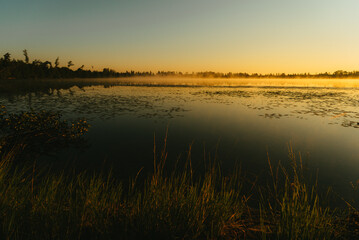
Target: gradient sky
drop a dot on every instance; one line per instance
(186, 35)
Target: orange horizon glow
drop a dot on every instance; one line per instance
(229, 36)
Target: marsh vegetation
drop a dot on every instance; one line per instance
(176, 203)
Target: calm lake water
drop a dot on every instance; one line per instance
(231, 121)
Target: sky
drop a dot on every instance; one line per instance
(263, 36)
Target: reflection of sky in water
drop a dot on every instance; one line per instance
(232, 123)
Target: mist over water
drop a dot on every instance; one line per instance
(237, 82)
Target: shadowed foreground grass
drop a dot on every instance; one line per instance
(38, 205)
(82, 207)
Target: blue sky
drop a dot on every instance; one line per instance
(198, 35)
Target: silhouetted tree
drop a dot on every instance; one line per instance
(36, 62)
(26, 56)
(57, 62)
(11, 68)
(7, 57)
(48, 64)
(70, 64)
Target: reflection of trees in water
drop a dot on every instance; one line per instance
(23, 87)
(94, 101)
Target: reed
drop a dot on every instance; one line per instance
(36, 203)
(295, 209)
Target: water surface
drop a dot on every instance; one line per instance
(233, 121)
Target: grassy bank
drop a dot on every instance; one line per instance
(37, 205)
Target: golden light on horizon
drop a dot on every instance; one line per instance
(231, 36)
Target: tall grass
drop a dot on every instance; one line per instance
(37, 204)
(42, 206)
(294, 209)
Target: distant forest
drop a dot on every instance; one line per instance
(24, 69)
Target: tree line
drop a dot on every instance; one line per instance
(24, 69)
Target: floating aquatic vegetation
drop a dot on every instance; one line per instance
(354, 124)
(339, 106)
(38, 132)
(302, 95)
(230, 93)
